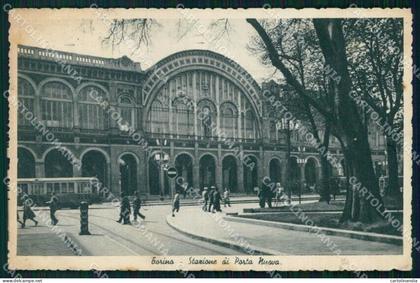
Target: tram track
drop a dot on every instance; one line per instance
(172, 238)
(117, 236)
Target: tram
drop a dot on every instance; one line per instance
(69, 191)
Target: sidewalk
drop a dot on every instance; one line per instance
(268, 240)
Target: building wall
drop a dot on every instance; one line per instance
(62, 98)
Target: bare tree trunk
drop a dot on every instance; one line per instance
(346, 118)
(325, 193)
(391, 149)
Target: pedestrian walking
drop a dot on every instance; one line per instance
(216, 200)
(53, 204)
(175, 204)
(125, 210)
(226, 197)
(28, 213)
(136, 207)
(205, 198)
(211, 192)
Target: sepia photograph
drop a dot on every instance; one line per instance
(213, 139)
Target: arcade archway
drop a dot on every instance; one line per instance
(275, 170)
(183, 165)
(57, 165)
(128, 174)
(94, 165)
(250, 174)
(230, 180)
(207, 171)
(26, 164)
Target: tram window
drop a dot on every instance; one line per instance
(57, 188)
(79, 188)
(39, 188)
(64, 188)
(71, 187)
(49, 188)
(85, 188)
(24, 188)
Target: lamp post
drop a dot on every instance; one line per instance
(285, 125)
(300, 162)
(162, 159)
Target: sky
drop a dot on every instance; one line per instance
(85, 36)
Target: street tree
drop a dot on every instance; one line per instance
(295, 42)
(375, 55)
(345, 119)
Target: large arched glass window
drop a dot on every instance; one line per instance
(183, 118)
(158, 117)
(229, 120)
(127, 110)
(26, 95)
(91, 114)
(206, 118)
(249, 125)
(57, 105)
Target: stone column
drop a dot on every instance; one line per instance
(142, 174)
(39, 169)
(240, 176)
(219, 167)
(114, 183)
(194, 89)
(77, 170)
(171, 116)
(217, 107)
(261, 166)
(302, 172)
(196, 168)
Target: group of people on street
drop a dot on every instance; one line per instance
(28, 212)
(125, 209)
(212, 199)
(267, 193)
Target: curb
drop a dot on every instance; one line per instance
(223, 243)
(388, 239)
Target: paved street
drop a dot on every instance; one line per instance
(111, 238)
(156, 237)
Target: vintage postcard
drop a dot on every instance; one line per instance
(214, 139)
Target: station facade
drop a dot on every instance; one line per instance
(194, 110)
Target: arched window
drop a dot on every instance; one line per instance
(229, 120)
(57, 105)
(183, 118)
(26, 95)
(206, 118)
(127, 111)
(249, 128)
(158, 117)
(206, 122)
(91, 113)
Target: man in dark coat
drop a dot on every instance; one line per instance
(175, 203)
(28, 213)
(216, 200)
(268, 195)
(125, 210)
(136, 207)
(211, 192)
(53, 204)
(261, 197)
